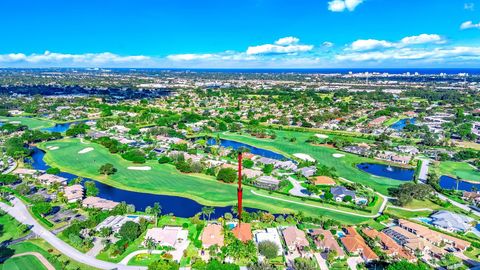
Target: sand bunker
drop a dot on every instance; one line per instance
(53, 148)
(15, 122)
(338, 155)
(321, 136)
(86, 150)
(304, 157)
(144, 168)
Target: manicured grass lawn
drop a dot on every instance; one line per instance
(406, 214)
(165, 179)
(144, 259)
(344, 166)
(391, 121)
(26, 262)
(459, 169)
(32, 123)
(58, 260)
(10, 228)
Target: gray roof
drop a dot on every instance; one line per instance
(449, 220)
(341, 191)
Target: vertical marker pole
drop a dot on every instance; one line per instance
(239, 190)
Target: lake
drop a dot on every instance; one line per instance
(62, 127)
(393, 172)
(178, 206)
(448, 182)
(254, 150)
(400, 124)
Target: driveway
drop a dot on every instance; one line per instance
(298, 190)
(354, 261)
(321, 261)
(19, 212)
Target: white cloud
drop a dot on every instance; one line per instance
(64, 59)
(410, 54)
(469, 25)
(327, 44)
(189, 56)
(422, 39)
(287, 41)
(469, 6)
(369, 44)
(286, 45)
(342, 5)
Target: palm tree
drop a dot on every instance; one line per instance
(156, 210)
(150, 244)
(207, 211)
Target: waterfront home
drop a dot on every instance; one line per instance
(393, 157)
(327, 242)
(268, 182)
(355, 244)
(388, 245)
(451, 221)
(99, 203)
(433, 236)
(295, 239)
(243, 232)
(116, 222)
(269, 234)
(22, 172)
(212, 235)
(50, 179)
(73, 193)
(167, 236)
(323, 181)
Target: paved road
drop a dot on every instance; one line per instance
(459, 205)
(39, 256)
(19, 212)
(298, 190)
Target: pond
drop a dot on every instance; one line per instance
(178, 206)
(400, 124)
(62, 127)
(448, 182)
(254, 150)
(393, 172)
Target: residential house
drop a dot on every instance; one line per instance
(295, 239)
(50, 179)
(451, 221)
(267, 181)
(167, 236)
(413, 243)
(212, 235)
(340, 192)
(99, 203)
(355, 244)
(324, 181)
(243, 232)
(389, 246)
(377, 121)
(116, 222)
(269, 234)
(327, 242)
(73, 193)
(473, 196)
(308, 171)
(22, 172)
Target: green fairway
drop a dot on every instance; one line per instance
(26, 262)
(32, 123)
(344, 166)
(165, 179)
(459, 169)
(10, 228)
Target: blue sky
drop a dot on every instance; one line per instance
(240, 34)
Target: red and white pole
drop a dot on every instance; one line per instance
(239, 190)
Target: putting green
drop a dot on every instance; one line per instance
(165, 179)
(344, 167)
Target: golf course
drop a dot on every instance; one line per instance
(460, 170)
(344, 166)
(32, 123)
(165, 179)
